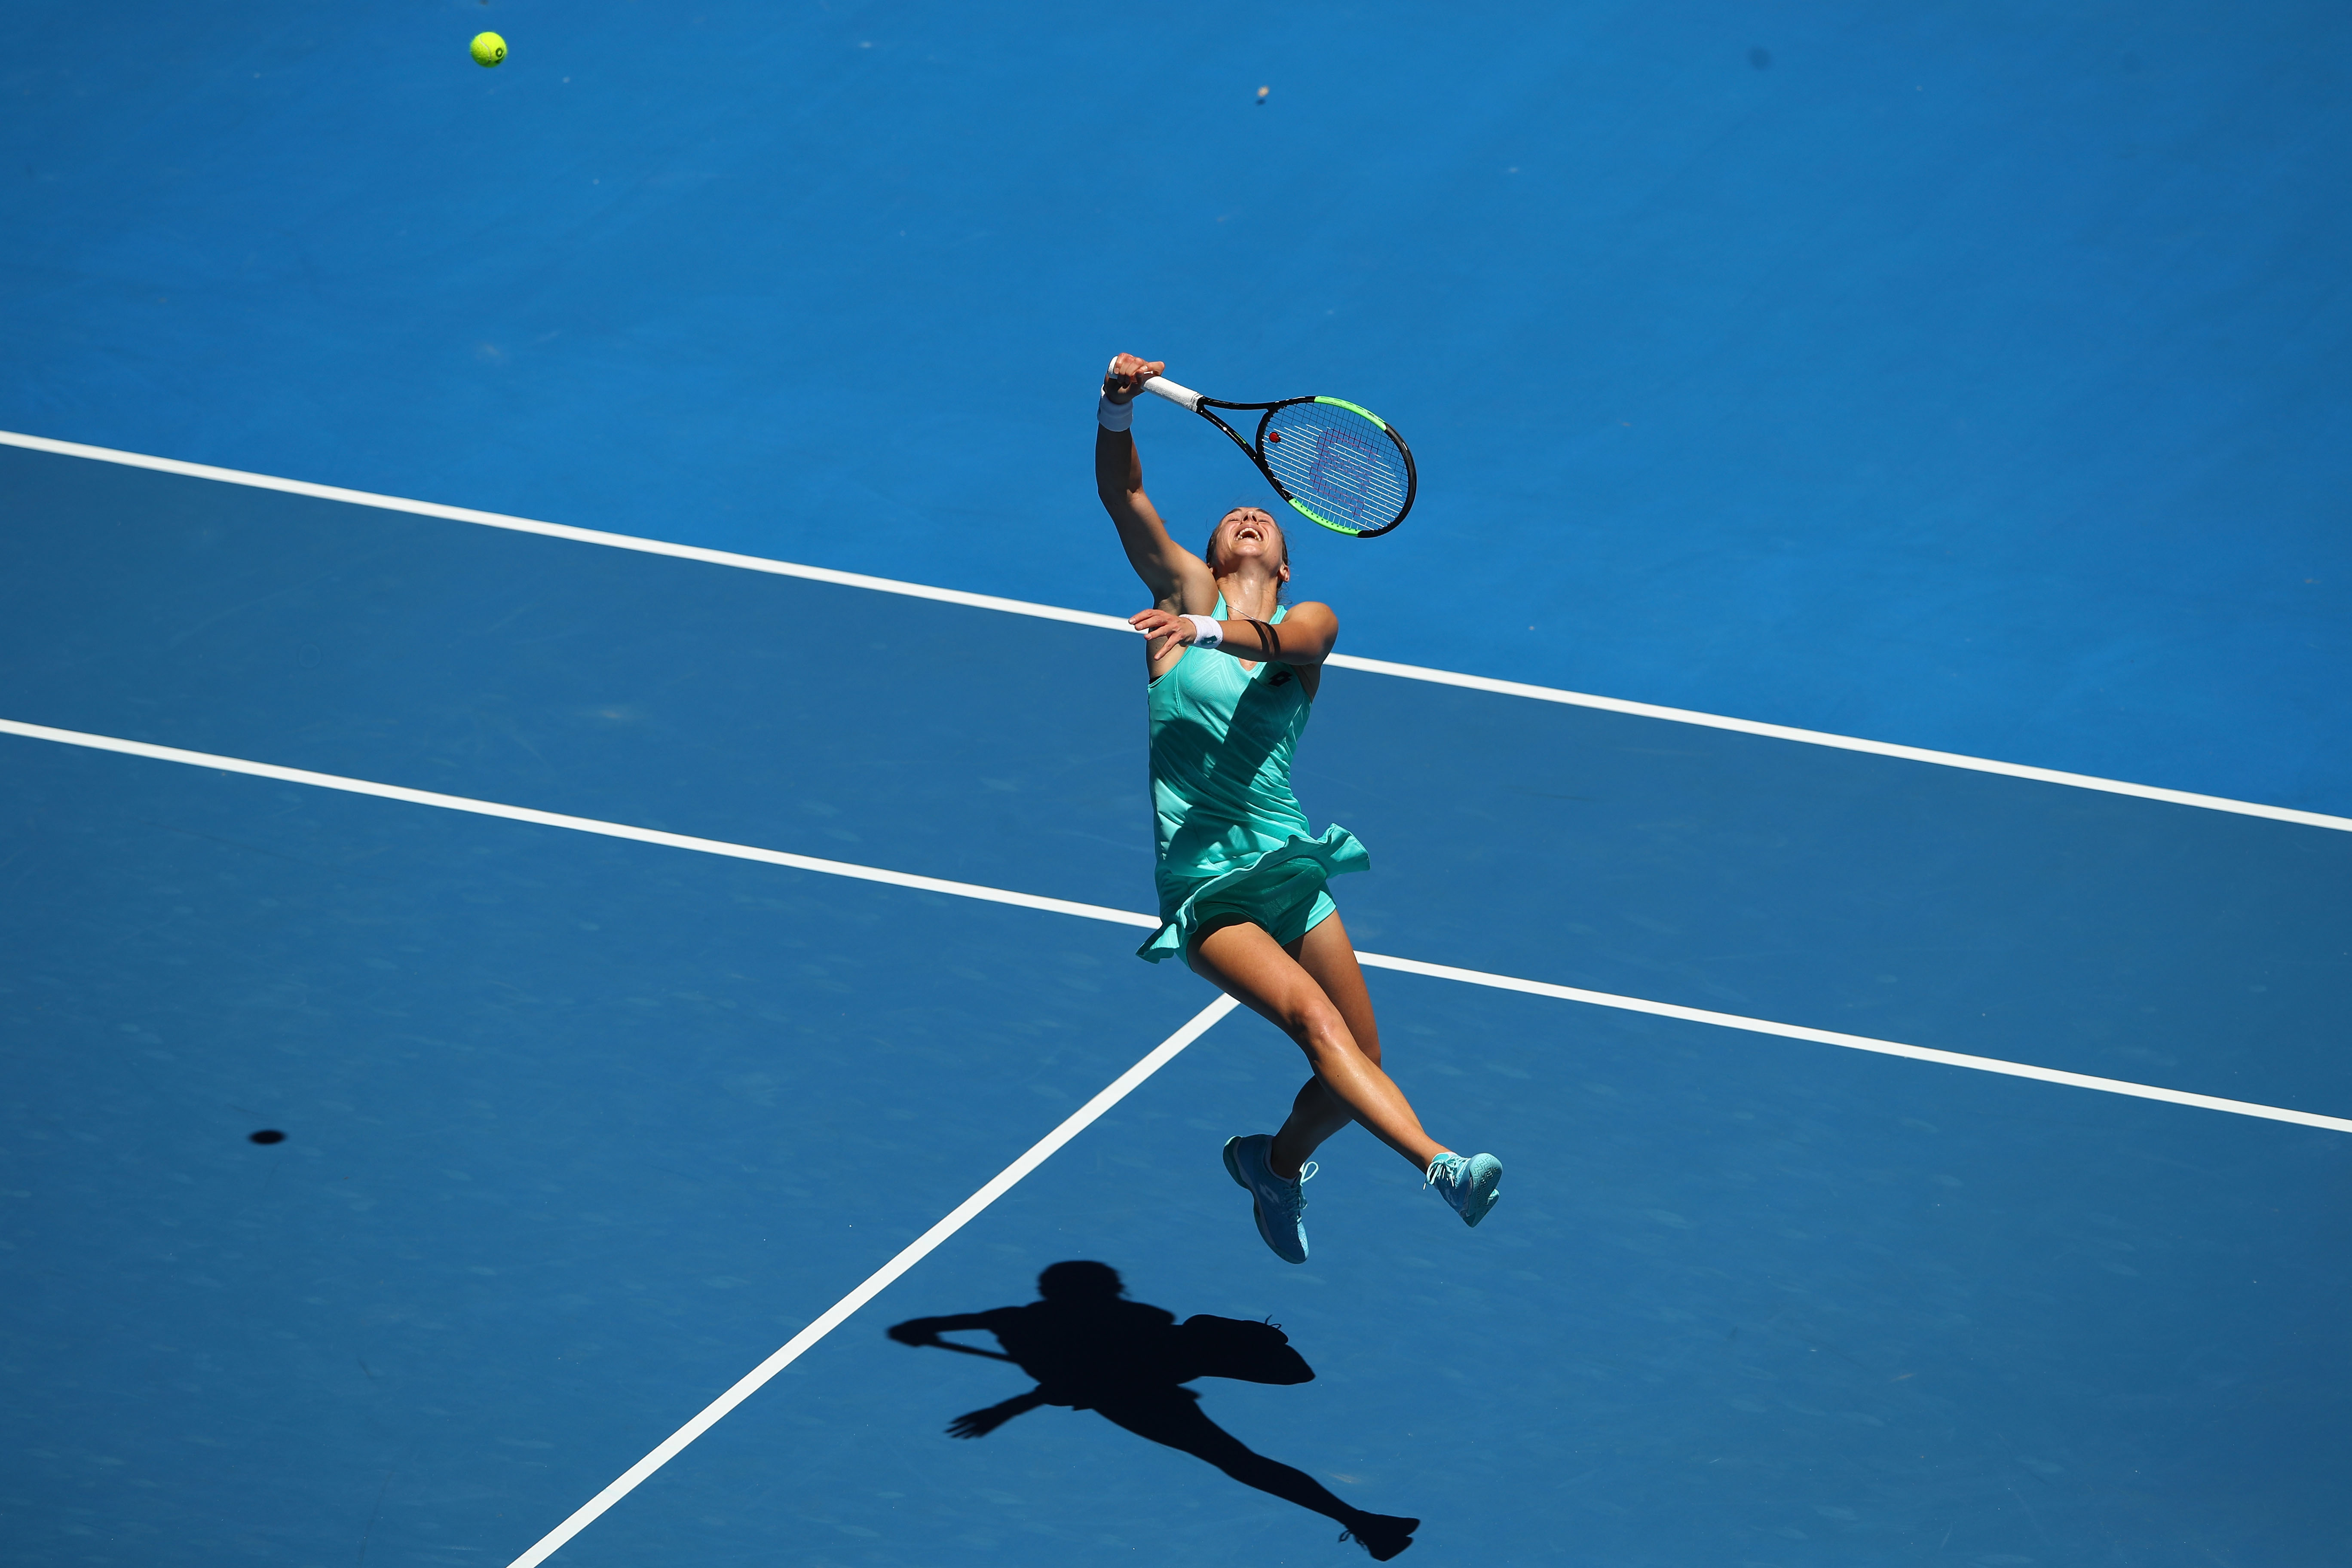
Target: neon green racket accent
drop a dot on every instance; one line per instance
(1310, 515)
(1337, 465)
(1355, 408)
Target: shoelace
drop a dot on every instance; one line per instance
(1449, 1163)
(1295, 1200)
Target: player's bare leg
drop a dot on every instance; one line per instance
(1313, 992)
(1242, 961)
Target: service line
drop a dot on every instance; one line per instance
(1130, 917)
(1114, 623)
(1086, 1114)
(914, 1252)
(1856, 1042)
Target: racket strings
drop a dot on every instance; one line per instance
(1338, 463)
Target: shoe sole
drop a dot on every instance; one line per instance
(1484, 1195)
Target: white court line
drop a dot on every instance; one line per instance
(1119, 1088)
(1856, 1042)
(576, 824)
(839, 1313)
(1115, 623)
(556, 531)
(1130, 918)
(1846, 742)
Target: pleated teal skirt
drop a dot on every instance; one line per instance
(1281, 889)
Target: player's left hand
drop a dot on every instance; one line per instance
(1159, 624)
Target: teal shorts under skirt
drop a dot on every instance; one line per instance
(1281, 891)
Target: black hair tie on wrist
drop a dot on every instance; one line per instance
(1268, 639)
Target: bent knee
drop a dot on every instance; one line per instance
(1317, 1025)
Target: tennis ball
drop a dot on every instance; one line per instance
(489, 48)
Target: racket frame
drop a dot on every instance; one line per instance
(1185, 397)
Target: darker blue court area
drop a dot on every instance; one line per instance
(579, 1130)
(1963, 376)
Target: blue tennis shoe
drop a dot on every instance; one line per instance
(1280, 1206)
(1469, 1186)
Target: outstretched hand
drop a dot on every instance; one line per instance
(980, 1423)
(1127, 374)
(1157, 624)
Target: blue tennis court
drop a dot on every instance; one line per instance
(700, 921)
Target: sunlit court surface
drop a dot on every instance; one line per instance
(573, 824)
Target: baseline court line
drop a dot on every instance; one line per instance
(875, 1283)
(1126, 917)
(556, 531)
(1844, 743)
(1114, 623)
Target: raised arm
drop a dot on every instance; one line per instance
(1176, 578)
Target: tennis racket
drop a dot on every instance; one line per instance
(1335, 463)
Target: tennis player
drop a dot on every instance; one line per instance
(1233, 673)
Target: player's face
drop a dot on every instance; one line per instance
(1244, 534)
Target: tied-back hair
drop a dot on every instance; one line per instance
(1208, 550)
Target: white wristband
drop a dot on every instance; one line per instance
(1114, 415)
(1206, 633)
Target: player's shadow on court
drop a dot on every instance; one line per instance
(1089, 1348)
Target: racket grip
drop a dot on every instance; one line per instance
(1182, 396)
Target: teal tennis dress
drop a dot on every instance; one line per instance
(1231, 837)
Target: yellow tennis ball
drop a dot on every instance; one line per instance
(489, 48)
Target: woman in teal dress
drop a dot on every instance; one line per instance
(1234, 672)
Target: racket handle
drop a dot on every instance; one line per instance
(1182, 396)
